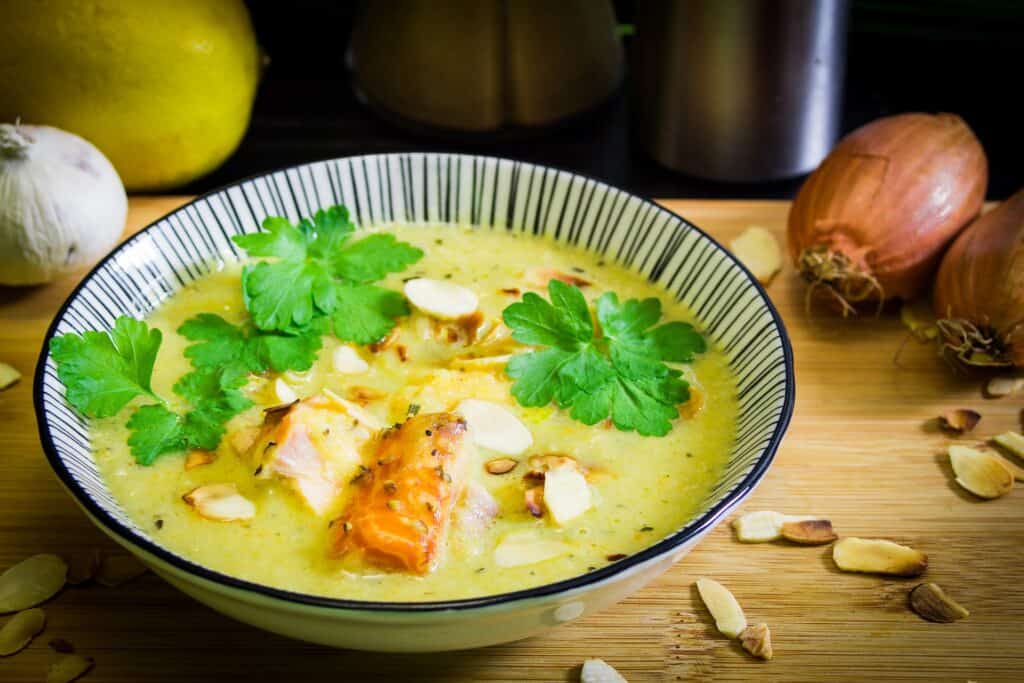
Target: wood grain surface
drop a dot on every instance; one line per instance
(860, 451)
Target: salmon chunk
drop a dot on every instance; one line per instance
(400, 515)
(314, 445)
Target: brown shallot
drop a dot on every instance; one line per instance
(979, 292)
(871, 222)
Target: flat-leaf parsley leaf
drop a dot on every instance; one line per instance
(220, 343)
(617, 371)
(317, 272)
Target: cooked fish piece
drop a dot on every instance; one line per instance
(315, 445)
(401, 512)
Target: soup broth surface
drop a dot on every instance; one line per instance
(642, 488)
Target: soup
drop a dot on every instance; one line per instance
(430, 479)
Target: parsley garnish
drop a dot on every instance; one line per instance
(221, 344)
(616, 371)
(318, 272)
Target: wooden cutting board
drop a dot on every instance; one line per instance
(858, 452)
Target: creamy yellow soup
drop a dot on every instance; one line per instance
(641, 488)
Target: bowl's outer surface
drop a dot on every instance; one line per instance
(491, 193)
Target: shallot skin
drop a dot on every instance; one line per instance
(884, 204)
(979, 291)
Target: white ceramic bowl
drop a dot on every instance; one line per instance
(495, 194)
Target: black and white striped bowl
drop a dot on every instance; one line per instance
(495, 194)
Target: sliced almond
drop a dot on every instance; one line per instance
(82, 567)
(494, 427)
(525, 547)
(878, 556)
(534, 498)
(284, 392)
(997, 387)
(67, 667)
(384, 342)
(757, 640)
(480, 362)
(31, 581)
(500, 465)
(809, 532)
(726, 611)
(220, 502)
(198, 458)
(566, 494)
(959, 421)
(599, 671)
(1012, 442)
(440, 298)
(1016, 470)
(9, 376)
(931, 602)
(347, 361)
(759, 251)
(116, 570)
(763, 526)
(983, 474)
(364, 395)
(20, 630)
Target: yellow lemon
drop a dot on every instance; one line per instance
(163, 87)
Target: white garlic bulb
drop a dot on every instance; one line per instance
(62, 204)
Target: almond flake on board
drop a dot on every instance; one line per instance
(757, 640)
(930, 602)
(1013, 442)
(724, 608)
(759, 251)
(878, 556)
(763, 526)
(30, 582)
(983, 474)
(9, 376)
(67, 667)
(997, 387)
(959, 421)
(600, 671)
(809, 532)
(19, 630)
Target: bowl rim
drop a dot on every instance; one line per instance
(693, 530)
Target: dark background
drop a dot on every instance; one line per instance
(962, 56)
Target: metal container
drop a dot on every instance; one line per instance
(741, 90)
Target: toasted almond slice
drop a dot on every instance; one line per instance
(347, 360)
(757, 640)
(67, 667)
(440, 298)
(930, 602)
(31, 581)
(82, 567)
(983, 474)
(726, 611)
(284, 392)
(9, 376)
(538, 278)
(1016, 470)
(198, 458)
(500, 465)
(878, 556)
(520, 548)
(116, 570)
(1012, 442)
(566, 494)
(997, 387)
(600, 671)
(355, 411)
(759, 251)
(809, 532)
(534, 498)
(494, 427)
(20, 630)
(220, 502)
(959, 421)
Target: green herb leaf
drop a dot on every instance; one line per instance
(314, 264)
(155, 430)
(222, 343)
(366, 313)
(619, 373)
(103, 371)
